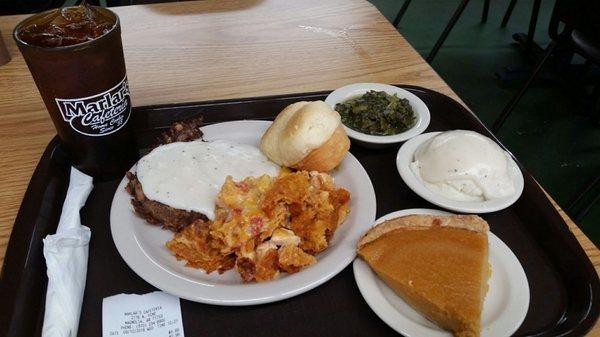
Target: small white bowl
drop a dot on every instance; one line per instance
(420, 109)
(406, 155)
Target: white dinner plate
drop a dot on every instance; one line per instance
(505, 305)
(142, 245)
(406, 155)
(419, 107)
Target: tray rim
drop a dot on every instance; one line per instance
(10, 263)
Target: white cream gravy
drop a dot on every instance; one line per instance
(189, 175)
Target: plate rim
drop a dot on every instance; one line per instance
(132, 255)
(406, 154)
(366, 282)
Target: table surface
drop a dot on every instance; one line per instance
(214, 49)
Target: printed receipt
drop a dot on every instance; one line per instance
(156, 314)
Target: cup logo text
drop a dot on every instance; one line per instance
(100, 114)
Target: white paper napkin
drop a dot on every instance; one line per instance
(66, 254)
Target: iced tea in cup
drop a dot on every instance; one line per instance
(75, 56)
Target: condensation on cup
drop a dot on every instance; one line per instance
(75, 56)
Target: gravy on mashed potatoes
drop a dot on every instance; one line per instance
(463, 165)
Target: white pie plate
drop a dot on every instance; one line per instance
(504, 309)
(142, 245)
(405, 156)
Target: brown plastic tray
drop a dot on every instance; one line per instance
(563, 284)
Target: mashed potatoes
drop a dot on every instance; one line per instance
(463, 166)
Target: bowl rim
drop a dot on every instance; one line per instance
(420, 109)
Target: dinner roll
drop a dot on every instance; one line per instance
(306, 136)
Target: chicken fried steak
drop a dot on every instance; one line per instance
(158, 213)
